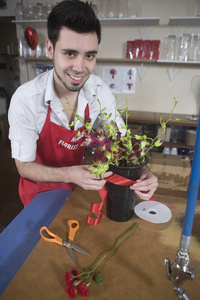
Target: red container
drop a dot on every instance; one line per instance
(146, 49)
(155, 49)
(137, 51)
(129, 49)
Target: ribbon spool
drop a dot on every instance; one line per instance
(153, 215)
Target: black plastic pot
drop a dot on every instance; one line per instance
(120, 201)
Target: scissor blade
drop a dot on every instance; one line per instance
(69, 245)
(70, 252)
(79, 249)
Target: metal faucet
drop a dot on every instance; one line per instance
(179, 271)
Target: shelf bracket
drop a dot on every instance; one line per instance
(171, 75)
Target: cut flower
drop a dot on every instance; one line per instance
(78, 282)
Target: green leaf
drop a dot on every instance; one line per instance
(97, 278)
(138, 137)
(177, 119)
(107, 155)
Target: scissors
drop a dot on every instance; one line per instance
(73, 227)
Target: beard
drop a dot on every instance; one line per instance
(72, 87)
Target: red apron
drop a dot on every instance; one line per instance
(56, 147)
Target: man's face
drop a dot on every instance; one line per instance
(74, 58)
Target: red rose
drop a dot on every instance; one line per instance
(75, 273)
(71, 292)
(83, 290)
(68, 278)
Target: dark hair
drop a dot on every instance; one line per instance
(75, 15)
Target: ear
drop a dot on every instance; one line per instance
(49, 47)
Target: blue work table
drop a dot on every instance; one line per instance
(20, 237)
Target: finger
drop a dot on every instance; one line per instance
(143, 196)
(108, 174)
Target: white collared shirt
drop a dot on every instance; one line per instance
(29, 105)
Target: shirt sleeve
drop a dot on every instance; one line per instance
(22, 132)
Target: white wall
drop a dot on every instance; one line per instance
(156, 90)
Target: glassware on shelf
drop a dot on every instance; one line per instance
(134, 8)
(193, 49)
(46, 9)
(28, 12)
(25, 49)
(198, 52)
(183, 48)
(39, 10)
(170, 47)
(19, 11)
(174, 151)
(123, 8)
(20, 47)
(38, 50)
(112, 9)
(102, 9)
(166, 150)
(44, 50)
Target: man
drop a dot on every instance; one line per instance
(46, 151)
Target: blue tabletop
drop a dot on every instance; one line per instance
(20, 237)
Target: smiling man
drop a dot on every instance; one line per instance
(45, 147)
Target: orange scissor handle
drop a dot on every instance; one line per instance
(53, 237)
(73, 227)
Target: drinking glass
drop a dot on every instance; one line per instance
(193, 50)
(134, 8)
(29, 14)
(19, 11)
(112, 8)
(170, 47)
(122, 13)
(21, 47)
(102, 9)
(183, 47)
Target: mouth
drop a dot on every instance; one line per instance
(76, 79)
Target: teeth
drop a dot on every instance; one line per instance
(75, 78)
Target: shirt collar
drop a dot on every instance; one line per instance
(50, 93)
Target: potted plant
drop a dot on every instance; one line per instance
(122, 154)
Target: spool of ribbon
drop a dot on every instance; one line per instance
(96, 208)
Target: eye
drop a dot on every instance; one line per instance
(69, 53)
(91, 56)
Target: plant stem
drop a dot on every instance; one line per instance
(117, 244)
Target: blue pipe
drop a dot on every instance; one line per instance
(193, 187)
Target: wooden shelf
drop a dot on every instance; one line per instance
(140, 117)
(179, 144)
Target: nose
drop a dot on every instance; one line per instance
(79, 64)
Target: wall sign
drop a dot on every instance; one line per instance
(121, 80)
